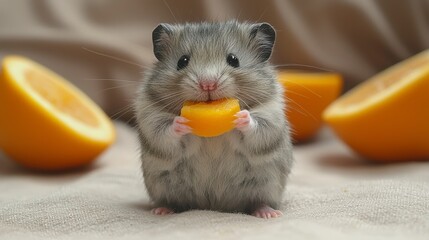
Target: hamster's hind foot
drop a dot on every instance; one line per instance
(266, 212)
(162, 211)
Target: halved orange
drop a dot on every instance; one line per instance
(307, 94)
(210, 119)
(46, 123)
(386, 118)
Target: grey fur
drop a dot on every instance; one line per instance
(237, 171)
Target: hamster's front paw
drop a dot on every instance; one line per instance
(244, 121)
(179, 127)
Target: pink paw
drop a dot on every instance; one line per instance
(162, 211)
(179, 126)
(266, 212)
(244, 121)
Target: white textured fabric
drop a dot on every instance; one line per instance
(332, 194)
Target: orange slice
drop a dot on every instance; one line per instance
(210, 119)
(307, 94)
(46, 123)
(386, 118)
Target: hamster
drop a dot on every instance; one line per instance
(244, 170)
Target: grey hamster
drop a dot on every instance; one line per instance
(244, 170)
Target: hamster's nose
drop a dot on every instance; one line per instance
(208, 84)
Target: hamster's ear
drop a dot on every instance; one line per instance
(161, 40)
(264, 36)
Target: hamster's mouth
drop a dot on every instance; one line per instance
(208, 97)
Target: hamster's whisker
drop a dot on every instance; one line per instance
(296, 93)
(239, 14)
(187, 84)
(200, 95)
(308, 89)
(121, 60)
(221, 91)
(169, 96)
(131, 119)
(223, 72)
(112, 57)
(301, 109)
(166, 85)
(115, 87)
(254, 92)
(161, 84)
(193, 77)
(121, 112)
(262, 14)
(257, 92)
(152, 113)
(241, 100)
(173, 95)
(111, 79)
(152, 70)
(162, 108)
(249, 95)
(171, 99)
(221, 81)
(297, 65)
(174, 102)
(245, 75)
(169, 9)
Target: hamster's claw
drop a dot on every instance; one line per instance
(179, 127)
(266, 212)
(244, 121)
(162, 211)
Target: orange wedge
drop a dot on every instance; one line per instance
(307, 94)
(46, 123)
(386, 118)
(211, 119)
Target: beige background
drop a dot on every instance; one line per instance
(354, 37)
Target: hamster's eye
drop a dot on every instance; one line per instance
(232, 60)
(183, 62)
